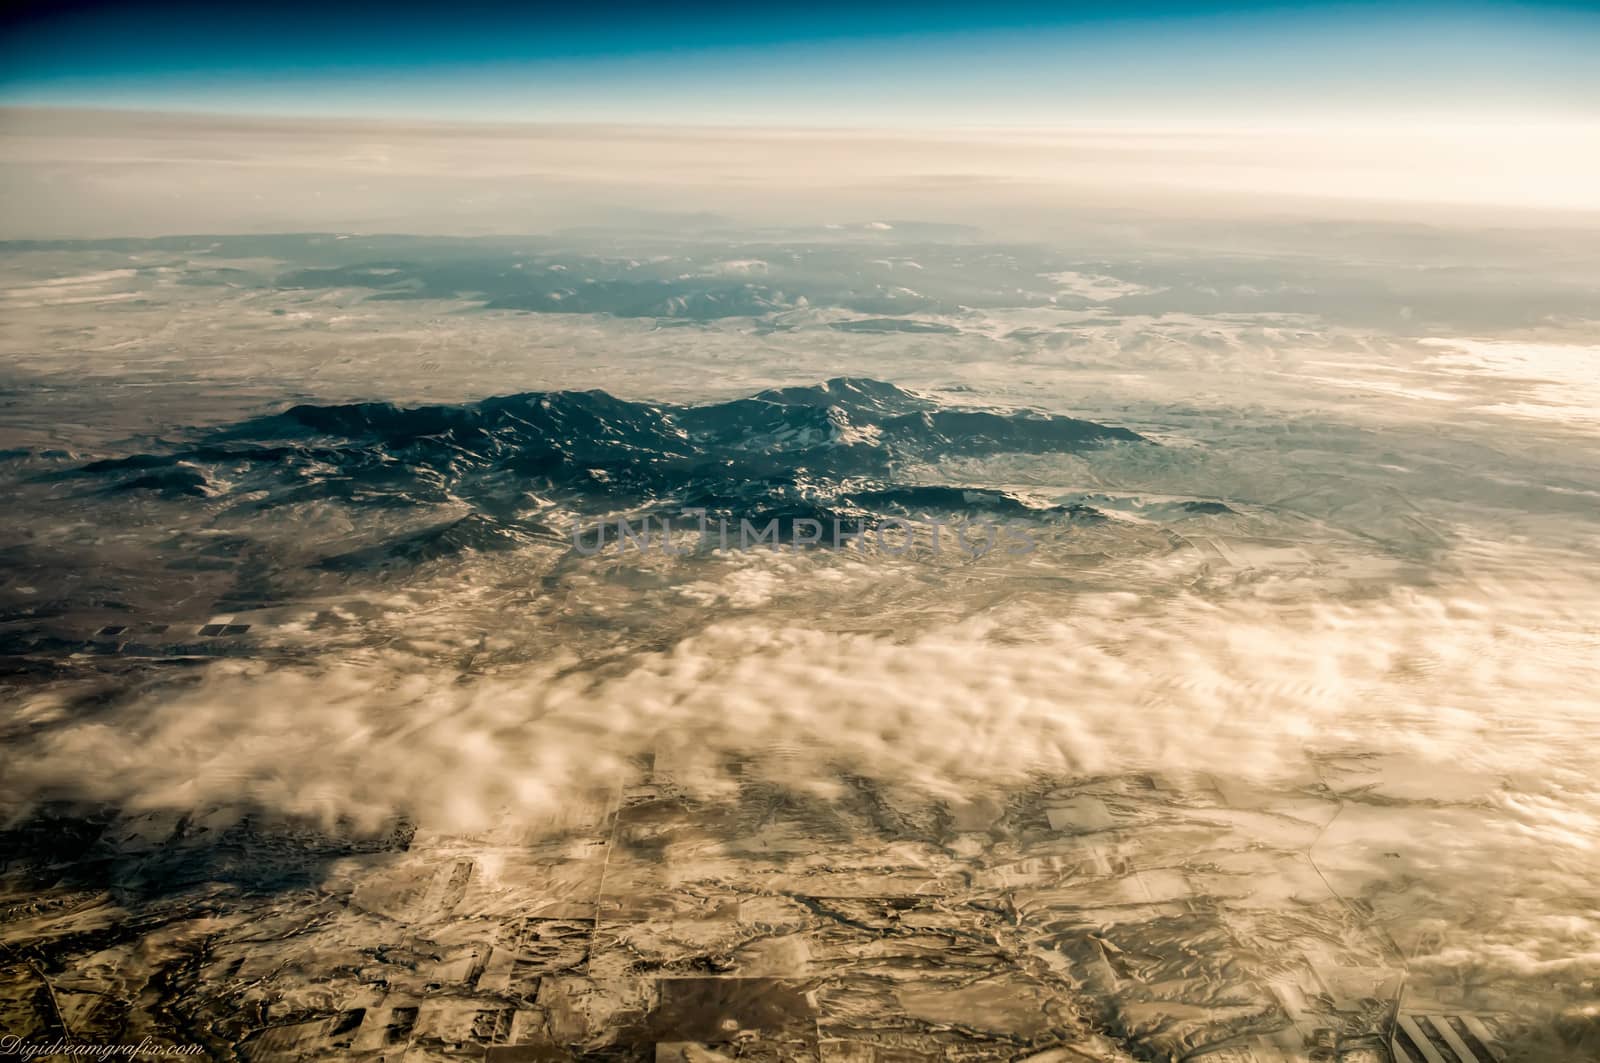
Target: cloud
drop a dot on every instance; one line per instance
(1483, 676)
(87, 173)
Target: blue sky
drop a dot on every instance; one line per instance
(826, 63)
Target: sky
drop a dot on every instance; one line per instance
(829, 64)
(141, 118)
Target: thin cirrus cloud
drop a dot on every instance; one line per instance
(932, 64)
